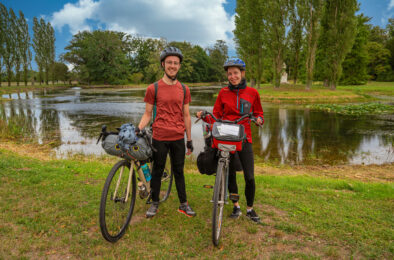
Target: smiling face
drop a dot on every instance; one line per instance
(171, 65)
(235, 75)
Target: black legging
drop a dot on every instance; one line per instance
(177, 156)
(247, 162)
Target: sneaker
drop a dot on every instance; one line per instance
(236, 213)
(154, 208)
(253, 216)
(186, 209)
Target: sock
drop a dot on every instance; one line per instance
(249, 210)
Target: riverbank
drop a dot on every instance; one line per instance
(286, 93)
(50, 210)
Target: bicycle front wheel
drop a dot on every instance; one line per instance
(117, 201)
(218, 203)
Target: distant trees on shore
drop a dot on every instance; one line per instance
(321, 40)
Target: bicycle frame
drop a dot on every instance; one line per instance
(140, 175)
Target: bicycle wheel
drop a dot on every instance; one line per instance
(165, 188)
(218, 203)
(116, 208)
(166, 184)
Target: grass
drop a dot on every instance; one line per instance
(356, 109)
(288, 93)
(49, 209)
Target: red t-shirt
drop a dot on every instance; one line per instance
(169, 124)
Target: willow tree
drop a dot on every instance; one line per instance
(249, 36)
(339, 30)
(313, 13)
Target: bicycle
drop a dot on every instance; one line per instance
(120, 191)
(228, 137)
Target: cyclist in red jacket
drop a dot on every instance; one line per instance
(233, 101)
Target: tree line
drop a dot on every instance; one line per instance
(318, 40)
(15, 52)
(111, 57)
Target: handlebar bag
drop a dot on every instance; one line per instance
(228, 132)
(110, 145)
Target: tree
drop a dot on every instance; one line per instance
(38, 46)
(277, 19)
(24, 46)
(313, 16)
(298, 13)
(17, 45)
(218, 56)
(249, 37)
(339, 27)
(379, 60)
(59, 71)
(3, 34)
(355, 63)
(100, 56)
(9, 42)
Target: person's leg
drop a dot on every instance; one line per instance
(247, 161)
(177, 156)
(233, 187)
(159, 163)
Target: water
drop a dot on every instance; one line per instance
(72, 118)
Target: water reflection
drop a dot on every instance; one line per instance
(72, 119)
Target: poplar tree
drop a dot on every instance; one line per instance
(249, 37)
(17, 35)
(24, 45)
(339, 24)
(3, 24)
(277, 19)
(9, 43)
(38, 46)
(313, 13)
(297, 18)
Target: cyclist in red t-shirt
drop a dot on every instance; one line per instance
(233, 102)
(171, 121)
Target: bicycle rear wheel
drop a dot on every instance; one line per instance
(218, 203)
(116, 208)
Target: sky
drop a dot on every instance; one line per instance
(200, 22)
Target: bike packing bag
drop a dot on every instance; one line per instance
(110, 145)
(232, 134)
(140, 150)
(207, 161)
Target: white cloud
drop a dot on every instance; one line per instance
(75, 16)
(391, 5)
(197, 21)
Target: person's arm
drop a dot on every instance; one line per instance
(146, 116)
(258, 110)
(188, 125)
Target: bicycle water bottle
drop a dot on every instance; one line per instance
(146, 171)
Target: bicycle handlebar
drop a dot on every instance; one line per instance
(249, 115)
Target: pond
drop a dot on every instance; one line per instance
(292, 134)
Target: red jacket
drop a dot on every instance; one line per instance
(232, 104)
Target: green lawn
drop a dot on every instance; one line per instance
(49, 209)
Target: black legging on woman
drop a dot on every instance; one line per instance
(247, 162)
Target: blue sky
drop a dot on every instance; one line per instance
(197, 21)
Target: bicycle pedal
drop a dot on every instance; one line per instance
(208, 186)
(234, 196)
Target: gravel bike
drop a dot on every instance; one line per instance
(120, 191)
(227, 137)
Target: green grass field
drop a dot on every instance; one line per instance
(49, 209)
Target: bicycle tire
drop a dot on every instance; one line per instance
(218, 203)
(110, 207)
(166, 184)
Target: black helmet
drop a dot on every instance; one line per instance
(171, 51)
(234, 62)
